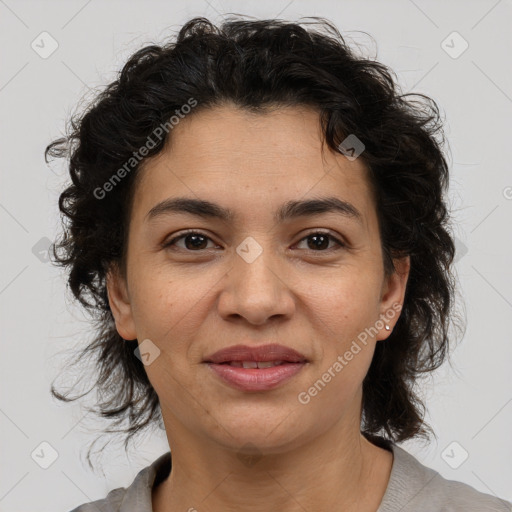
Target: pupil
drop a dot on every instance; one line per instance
(197, 243)
(319, 245)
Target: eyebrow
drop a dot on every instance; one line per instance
(289, 210)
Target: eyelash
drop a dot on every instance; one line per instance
(192, 232)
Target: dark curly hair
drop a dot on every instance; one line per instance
(256, 65)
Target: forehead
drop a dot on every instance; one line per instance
(231, 154)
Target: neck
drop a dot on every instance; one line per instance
(338, 470)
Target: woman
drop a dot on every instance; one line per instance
(257, 220)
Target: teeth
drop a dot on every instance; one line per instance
(255, 364)
(268, 364)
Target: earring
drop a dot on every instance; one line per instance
(387, 327)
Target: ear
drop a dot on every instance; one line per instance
(119, 300)
(392, 295)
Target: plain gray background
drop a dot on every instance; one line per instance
(469, 405)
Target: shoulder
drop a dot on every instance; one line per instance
(415, 487)
(137, 497)
(111, 503)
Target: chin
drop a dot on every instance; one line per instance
(261, 433)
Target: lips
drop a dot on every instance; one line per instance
(256, 369)
(246, 357)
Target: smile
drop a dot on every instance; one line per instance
(255, 375)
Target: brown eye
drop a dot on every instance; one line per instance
(320, 241)
(193, 241)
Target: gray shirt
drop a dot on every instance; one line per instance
(412, 487)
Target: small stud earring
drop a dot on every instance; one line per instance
(387, 327)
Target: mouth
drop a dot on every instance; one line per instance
(263, 356)
(255, 364)
(256, 368)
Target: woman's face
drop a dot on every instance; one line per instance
(253, 279)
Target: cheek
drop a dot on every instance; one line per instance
(158, 296)
(346, 313)
(152, 299)
(345, 305)
(169, 311)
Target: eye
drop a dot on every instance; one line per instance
(194, 241)
(321, 241)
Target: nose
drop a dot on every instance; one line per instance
(257, 291)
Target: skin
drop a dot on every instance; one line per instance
(192, 302)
